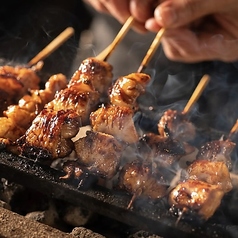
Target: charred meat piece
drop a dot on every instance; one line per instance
(162, 151)
(84, 90)
(176, 125)
(96, 72)
(18, 118)
(212, 172)
(116, 121)
(137, 179)
(98, 154)
(49, 136)
(79, 97)
(14, 83)
(127, 89)
(217, 150)
(198, 196)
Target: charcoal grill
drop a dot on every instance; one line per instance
(153, 217)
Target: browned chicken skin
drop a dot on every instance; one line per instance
(198, 196)
(137, 178)
(212, 172)
(50, 134)
(175, 124)
(127, 89)
(18, 118)
(162, 151)
(15, 83)
(208, 180)
(116, 121)
(218, 150)
(98, 153)
(79, 97)
(96, 72)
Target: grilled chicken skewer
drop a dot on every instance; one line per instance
(175, 124)
(138, 179)
(117, 117)
(208, 180)
(50, 135)
(97, 153)
(110, 124)
(15, 82)
(18, 118)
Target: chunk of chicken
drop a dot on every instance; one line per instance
(18, 118)
(97, 153)
(49, 136)
(137, 178)
(116, 121)
(217, 150)
(96, 72)
(212, 172)
(15, 83)
(127, 89)
(176, 125)
(78, 97)
(198, 196)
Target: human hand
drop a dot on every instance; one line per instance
(141, 10)
(198, 30)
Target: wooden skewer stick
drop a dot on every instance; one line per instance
(125, 28)
(52, 46)
(234, 129)
(153, 47)
(196, 94)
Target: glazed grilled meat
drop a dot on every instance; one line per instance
(18, 118)
(137, 179)
(116, 121)
(218, 150)
(212, 172)
(127, 89)
(79, 97)
(85, 88)
(15, 83)
(208, 180)
(162, 151)
(176, 125)
(98, 154)
(96, 72)
(198, 196)
(50, 134)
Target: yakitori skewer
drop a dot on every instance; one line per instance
(153, 47)
(174, 123)
(52, 46)
(125, 28)
(197, 93)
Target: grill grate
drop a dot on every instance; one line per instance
(153, 217)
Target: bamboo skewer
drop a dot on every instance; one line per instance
(196, 94)
(233, 130)
(125, 28)
(52, 46)
(153, 47)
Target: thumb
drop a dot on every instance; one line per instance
(175, 13)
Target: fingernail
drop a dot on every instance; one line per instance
(165, 15)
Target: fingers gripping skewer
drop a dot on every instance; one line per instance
(125, 28)
(153, 47)
(197, 93)
(52, 46)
